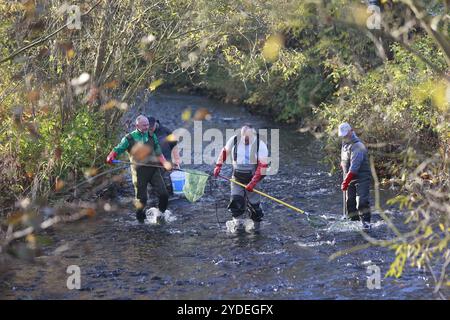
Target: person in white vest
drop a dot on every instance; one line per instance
(249, 159)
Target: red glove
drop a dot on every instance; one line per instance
(111, 156)
(217, 170)
(251, 186)
(348, 178)
(220, 161)
(257, 177)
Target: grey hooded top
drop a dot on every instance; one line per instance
(354, 158)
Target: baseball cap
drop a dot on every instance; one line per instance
(344, 128)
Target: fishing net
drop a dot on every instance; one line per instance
(195, 183)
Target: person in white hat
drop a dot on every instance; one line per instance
(357, 175)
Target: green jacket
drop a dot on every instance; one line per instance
(137, 136)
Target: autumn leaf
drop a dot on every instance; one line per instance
(91, 172)
(33, 96)
(186, 114)
(89, 212)
(111, 104)
(202, 114)
(111, 84)
(59, 184)
(15, 218)
(137, 204)
(272, 47)
(155, 84)
(92, 95)
(140, 151)
(171, 138)
(70, 54)
(58, 153)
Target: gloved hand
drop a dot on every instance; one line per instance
(166, 164)
(111, 156)
(348, 178)
(217, 170)
(257, 177)
(251, 186)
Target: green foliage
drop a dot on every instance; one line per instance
(83, 141)
(385, 107)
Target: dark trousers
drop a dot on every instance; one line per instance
(167, 181)
(240, 198)
(142, 176)
(358, 200)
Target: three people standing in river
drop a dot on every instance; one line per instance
(250, 162)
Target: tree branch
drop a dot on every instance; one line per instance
(41, 40)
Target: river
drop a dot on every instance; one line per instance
(193, 257)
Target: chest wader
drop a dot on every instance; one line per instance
(166, 148)
(142, 176)
(358, 192)
(240, 198)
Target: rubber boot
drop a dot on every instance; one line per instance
(353, 216)
(140, 215)
(365, 218)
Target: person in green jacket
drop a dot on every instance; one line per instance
(144, 148)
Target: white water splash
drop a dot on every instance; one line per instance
(154, 216)
(238, 224)
(348, 226)
(367, 263)
(278, 251)
(316, 243)
(233, 225)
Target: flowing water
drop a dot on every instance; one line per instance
(193, 257)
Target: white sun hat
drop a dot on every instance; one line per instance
(344, 128)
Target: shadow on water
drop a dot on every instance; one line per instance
(193, 257)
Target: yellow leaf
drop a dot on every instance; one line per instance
(428, 231)
(440, 96)
(272, 47)
(186, 115)
(155, 84)
(171, 138)
(70, 54)
(437, 91)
